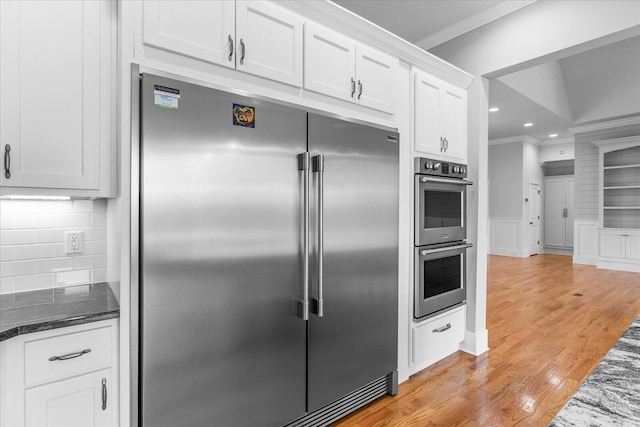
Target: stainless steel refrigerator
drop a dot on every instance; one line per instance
(268, 260)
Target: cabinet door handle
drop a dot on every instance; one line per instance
(230, 47)
(7, 161)
(446, 144)
(242, 51)
(441, 144)
(442, 328)
(353, 87)
(359, 89)
(104, 394)
(70, 355)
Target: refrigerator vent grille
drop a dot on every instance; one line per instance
(346, 405)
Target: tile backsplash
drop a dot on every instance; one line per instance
(32, 244)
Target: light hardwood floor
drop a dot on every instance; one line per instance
(550, 323)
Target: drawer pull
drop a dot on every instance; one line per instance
(442, 328)
(70, 355)
(104, 394)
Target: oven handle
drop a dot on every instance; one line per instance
(447, 248)
(445, 180)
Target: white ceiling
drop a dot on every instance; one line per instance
(597, 85)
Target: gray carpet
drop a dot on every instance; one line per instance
(610, 396)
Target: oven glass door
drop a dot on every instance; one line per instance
(440, 279)
(440, 211)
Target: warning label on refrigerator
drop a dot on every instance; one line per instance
(244, 115)
(165, 97)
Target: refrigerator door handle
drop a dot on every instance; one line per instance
(317, 303)
(303, 305)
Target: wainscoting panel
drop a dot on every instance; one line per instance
(506, 238)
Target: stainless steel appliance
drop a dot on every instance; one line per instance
(440, 236)
(268, 261)
(440, 202)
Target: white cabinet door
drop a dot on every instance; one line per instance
(612, 244)
(633, 247)
(53, 83)
(203, 30)
(375, 73)
(554, 222)
(440, 118)
(427, 109)
(329, 62)
(454, 122)
(77, 402)
(569, 205)
(269, 42)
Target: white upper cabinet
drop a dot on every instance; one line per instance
(57, 104)
(336, 66)
(203, 30)
(256, 37)
(440, 118)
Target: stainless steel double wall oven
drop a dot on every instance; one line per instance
(440, 236)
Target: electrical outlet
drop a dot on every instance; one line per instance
(74, 242)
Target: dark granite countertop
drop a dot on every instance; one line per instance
(34, 311)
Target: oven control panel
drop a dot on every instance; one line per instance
(427, 166)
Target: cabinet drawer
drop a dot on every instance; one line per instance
(39, 368)
(438, 337)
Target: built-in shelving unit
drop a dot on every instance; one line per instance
(619, 183)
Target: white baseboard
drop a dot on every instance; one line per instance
(557, 251)
(475, 343)
(632, 267)
(584, 260)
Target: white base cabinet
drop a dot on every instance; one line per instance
(438, 337)
(558, 212)
(619, 249)
(62, 377)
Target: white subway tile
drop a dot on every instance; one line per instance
(35, 206)
(99, 247)
(7, 221)
(53, 265)
(7, 253)
(33, 283)
(98, 220)
(99, 275)
(96, 233)
(23, 268)
(17, 237)
(50, 236)
(74, 277)
(37, 220)
(90, 261)
(83, 205)
(65, 220)
(7, 269)
(6, 285)
(33, 252)
(61, 250)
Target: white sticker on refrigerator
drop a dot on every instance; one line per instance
(165, 97)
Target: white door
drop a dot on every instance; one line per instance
(454, 123)
(269, 41)
(569, 204)
(613, 244)
(427, 109)
(82, 401)
(51, 80)
(376, 79)
(203, 30)
(633, 247)
(329, 62)
(534, 219)
(554, 221)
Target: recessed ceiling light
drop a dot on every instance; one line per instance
(528, 125)
(553, 135)
(493, 109)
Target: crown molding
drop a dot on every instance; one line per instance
(471, 23)
(629, 121)
(347, 23)
(558, 141)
